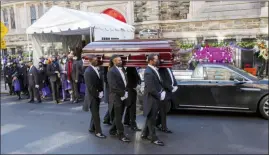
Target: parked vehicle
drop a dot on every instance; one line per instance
(221, 87)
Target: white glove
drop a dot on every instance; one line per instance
(76, 81)
(163, 95)
(56, 72)
(126, 95)
(101, 94)
(37, 86)
(174, 89)
(122, 98)
(68, 81)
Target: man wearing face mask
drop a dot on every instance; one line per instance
(53, 71)
(153, 95)
(93, 95)
(33, 81)
(117, 82)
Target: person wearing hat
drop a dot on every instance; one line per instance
(33, 83)
(93, 95)
(53, 71)
(117, 82)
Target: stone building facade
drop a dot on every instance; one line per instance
(185, 20)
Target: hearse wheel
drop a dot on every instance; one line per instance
(264, 107)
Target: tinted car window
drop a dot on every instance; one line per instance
(219, 73)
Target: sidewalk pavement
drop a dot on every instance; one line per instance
(3, 91)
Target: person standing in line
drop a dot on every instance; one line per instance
(117, 96)
(23, 70)
(93, 95)
(33, 83)
(153, 95)
(63, 63)
(130, 114)
(75, 80)
(170, 86)
(53, 72)
(8, 77)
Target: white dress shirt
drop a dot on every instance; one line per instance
(95, 69)
(122, 76)
(156, 71)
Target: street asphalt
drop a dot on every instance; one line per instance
(49, 128)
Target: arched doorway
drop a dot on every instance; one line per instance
(115, 14)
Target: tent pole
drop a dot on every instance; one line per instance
(28, 47)
(90, 34)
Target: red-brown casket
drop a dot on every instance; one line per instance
(133, 52)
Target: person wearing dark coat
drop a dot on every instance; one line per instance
(154, 93)
(33, 83)
(53, 71)
(75, 80)
(107, 119)
(16, 76)
(8, 77)
(93, 95)
(24, 70)
(170, 86)
(42, 74)
(118, 94)
(130, 114)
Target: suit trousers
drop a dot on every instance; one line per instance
(34, 92)
(55, 86)
(75, 89)
(162, 115)
(117, 120)
(130, 113)
(95, 119)
(106, 96)
(149, 128)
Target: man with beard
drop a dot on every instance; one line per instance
(170, 86)
(53, 71)
(130, 113)
(117, 96)
(33, 83)
(93, 95)
(153, 95)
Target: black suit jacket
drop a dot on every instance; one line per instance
(33, 77)
(115, 82)
(152, 92)
(51, 68)
(132, 77)
(167, 82)
(93, 85)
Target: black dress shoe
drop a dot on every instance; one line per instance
(113, 133)
(166, 131)
(145, 137)
(39, 101)
(107, 123)
(135, 128)
(125, 139)
(100, 135)
(31, 101)
(126, 124)
(91, 131)
(19, 98)
(158, 142)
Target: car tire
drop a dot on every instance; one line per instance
(264, 107)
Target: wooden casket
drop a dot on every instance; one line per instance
(133, 52)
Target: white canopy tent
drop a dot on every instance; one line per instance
(67, 25)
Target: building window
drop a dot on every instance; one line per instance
(5, 15)
(12, 18)
(33, 14)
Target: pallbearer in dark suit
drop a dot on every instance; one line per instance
(93, 94)
(53, 72)
(33, 83)
(130, 113)
(154, 94)
(170, 86)
(117, 95)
